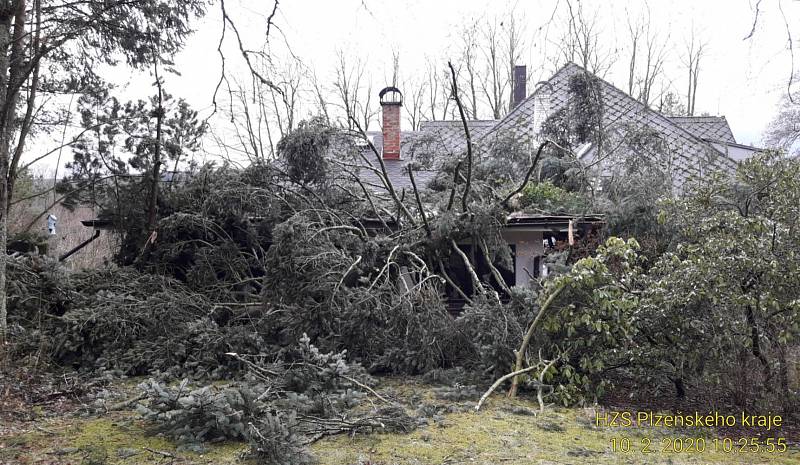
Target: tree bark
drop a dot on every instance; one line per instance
(520, 355)
(153, 205)
(755, 347)
(466, 135)
(680, 388)
(11, 66)
(27, 121)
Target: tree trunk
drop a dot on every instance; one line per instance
(153, 207)
(520, 354)
(689, 111)
(785, 392)
(4, 149)
(10, 69)
(694, 83)
(755, 348)
(680, 388)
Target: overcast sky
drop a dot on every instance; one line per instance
(740, 79)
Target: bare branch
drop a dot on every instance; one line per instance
(500, 381)
(755, 21)
(520, 353)
(466, 134)
(419, 202)
(527, 175)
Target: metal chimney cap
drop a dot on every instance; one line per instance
(390, 96)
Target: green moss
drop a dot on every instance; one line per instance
(123, 434)
(115, 434)
(496, 435)
(37, 411)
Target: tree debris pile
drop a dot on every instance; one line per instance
(120, 321)
(342, 288)
(280, 408)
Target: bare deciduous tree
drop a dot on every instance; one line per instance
(635, 34)
(647, 57)
(286, 102)
(515, 33)
(414, 101)
(259, 114)
(353, 94)
(694, 53)
(581, 42)
(469, 59)
(783, 131)
(320, 97)
(438, 91)
(496, 79)
(655, 56)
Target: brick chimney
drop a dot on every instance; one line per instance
(519, 90)
(391, 101)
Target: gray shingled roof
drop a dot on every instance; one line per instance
(408, 141)
(439, 137)
(687, 137)
(451, 133)
(714, 128)
(693, 155)
(411, 142)
(370, 174)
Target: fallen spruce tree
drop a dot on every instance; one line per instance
(247, 261)
(317, 270)
(280, 407)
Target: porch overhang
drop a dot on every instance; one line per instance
(555, 224)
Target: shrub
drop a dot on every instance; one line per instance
(593, 326)
(548, 198)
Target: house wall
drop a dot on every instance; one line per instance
(69, 232)
(529, 245)
(735, 151)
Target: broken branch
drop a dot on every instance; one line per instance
(463, 116)
(527, 175)
(520, 354)
(500, 381)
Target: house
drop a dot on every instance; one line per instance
(695, 146)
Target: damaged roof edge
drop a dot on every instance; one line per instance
(522, 220)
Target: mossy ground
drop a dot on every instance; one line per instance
(497, 435)
(504, 432)
(118, 438)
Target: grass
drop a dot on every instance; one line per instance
(504, 432)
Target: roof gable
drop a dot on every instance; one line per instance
(450, 133)
(714, 128)
(693, 155)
